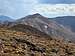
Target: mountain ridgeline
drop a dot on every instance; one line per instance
(49, 26)
(36, 35)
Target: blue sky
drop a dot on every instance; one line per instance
(49, 8)
(57, 1)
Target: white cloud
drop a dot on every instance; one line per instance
(21, 8)
(55, 10)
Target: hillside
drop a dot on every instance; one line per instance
(15, 42)
(67, 21)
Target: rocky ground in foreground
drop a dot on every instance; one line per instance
(17, 43)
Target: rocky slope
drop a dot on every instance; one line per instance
(31, 42)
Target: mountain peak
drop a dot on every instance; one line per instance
(37, 14)
(33, 16)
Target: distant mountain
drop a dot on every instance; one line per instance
(67, 21)
(5, 18)
(47, 26)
